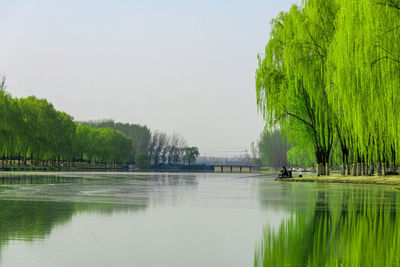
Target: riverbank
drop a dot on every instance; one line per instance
(32, 168)
(337, 178)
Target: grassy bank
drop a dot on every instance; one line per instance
(337, 178)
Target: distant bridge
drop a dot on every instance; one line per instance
(233, 167)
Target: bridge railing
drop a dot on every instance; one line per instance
(233, 168)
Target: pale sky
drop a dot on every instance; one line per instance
(177, 66)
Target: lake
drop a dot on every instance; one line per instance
(168, 219)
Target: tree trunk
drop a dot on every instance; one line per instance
(384, 168)
(372, 170)
(343, 168)
(393, 167)
(354, 169)
(379, 170)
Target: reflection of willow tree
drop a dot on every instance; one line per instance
(354, 228)
(30, 220)
(10, 179)
(100, 179)
(33, 217)
(33, 220)
(289, 196)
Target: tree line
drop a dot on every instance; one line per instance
(140, 135)
(330, 79)
(152, 148)
(33, 132)
(273, 150)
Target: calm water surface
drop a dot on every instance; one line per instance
(131, 219)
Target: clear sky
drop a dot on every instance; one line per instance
(177, 66)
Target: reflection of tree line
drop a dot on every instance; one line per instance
(30, 220)
(33, 220)
(159, 179)
(36, 179)
(174, 180)
(355, 228)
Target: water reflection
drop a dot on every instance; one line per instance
(355, 226)
(36, 179)
(31, 220)
(31, 205)
(175, 180)
(8, 178)
(117, 188)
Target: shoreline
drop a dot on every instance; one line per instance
(393, 180)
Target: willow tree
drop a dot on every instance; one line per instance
(8, 126)
(363, 78)
(104, 145)
(139, 134)
(272, 149)
(290, 79)
(31, 128)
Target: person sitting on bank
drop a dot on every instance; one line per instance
(284, 173)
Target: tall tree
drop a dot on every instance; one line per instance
(290, 79)
(272, 149)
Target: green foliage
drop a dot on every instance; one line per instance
(364, 76)
(330, 77)
(105, 145)
(190, 155)
(300, 157)
(272, 149)
(290, 79)
(32, 129)
(142, 160)
(356, 227)
(140, 135)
